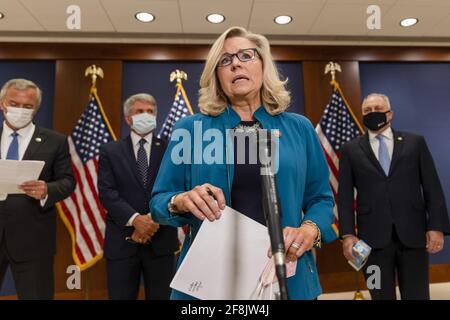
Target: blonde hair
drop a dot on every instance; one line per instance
(21, 85)
(274, 95)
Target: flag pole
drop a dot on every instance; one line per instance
(94, 72)
(332, 68)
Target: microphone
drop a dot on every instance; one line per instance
(272, 212)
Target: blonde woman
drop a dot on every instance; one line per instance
(241, 92)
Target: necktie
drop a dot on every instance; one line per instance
(142, 162)
(383, 154)
(13, 150)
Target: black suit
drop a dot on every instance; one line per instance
(123, 194)
(28, 230)
(394, 212)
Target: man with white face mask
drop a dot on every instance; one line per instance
(27, 221)
(135, 245)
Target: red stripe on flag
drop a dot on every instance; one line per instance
(99, 208)
(333, 168)
(69, 217)
(87, 208)
(96, 196)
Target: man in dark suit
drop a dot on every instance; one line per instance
(401, 209)
(134, 243)
(28, 221)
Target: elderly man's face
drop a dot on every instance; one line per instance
(374, 104)
(21, 99)
(26, 99)
(241, 80)
(140, 107)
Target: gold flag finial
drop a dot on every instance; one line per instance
(178, 75)
(358, 295)
(332, 67)
(94, 72)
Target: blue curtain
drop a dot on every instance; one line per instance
(40, 72)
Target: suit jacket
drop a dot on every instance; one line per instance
(28, 228)
(409, 197)
(122, 194)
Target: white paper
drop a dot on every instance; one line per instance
(14, 172)
(225, 260)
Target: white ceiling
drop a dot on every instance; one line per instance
(183, 21)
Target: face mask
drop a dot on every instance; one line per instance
(143, 123)
(375, 120)
(18, 117)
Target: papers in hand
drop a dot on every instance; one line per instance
(360, 251)
(226, 259)
(13, 173)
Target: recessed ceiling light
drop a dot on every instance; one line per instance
(215, 18)
(409, 22)
(2, 15)
(282, 19)
(144, 16)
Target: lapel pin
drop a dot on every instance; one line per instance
(38, 139)
(399, 138)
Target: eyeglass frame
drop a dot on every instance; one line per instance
(232, 55)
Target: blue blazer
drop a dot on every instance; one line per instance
(302, 178)
(122, 193)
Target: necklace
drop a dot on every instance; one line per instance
(253, 129)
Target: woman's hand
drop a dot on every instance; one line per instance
(298, 240)
(203, 201)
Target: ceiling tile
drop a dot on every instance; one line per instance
(194, 12)
(166, 12)
(52, 14)
(17, 18)
(304, 13)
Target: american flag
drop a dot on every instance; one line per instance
(337, 126)
(180, 109)
(82, 212)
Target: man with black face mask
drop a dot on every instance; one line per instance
(401, 210)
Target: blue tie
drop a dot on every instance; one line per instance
(142, 162)
(383, 154)
(13, 151)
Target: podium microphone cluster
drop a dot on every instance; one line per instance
(272, 214)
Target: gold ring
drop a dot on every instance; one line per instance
(295, 245)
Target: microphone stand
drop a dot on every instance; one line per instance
(272, 214)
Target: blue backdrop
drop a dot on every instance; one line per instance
(43, 74)
(420, 98)
(40, 72)
(153, 78)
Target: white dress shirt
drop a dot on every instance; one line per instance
(24, 139)
(388, 136)
(135, 138)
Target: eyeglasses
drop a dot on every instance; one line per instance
(243, 55)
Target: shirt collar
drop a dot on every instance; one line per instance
(387, 133)
(23, 132)
(135, 138)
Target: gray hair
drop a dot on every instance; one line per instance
(143, 97)
(21, 85)
(379, 95)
